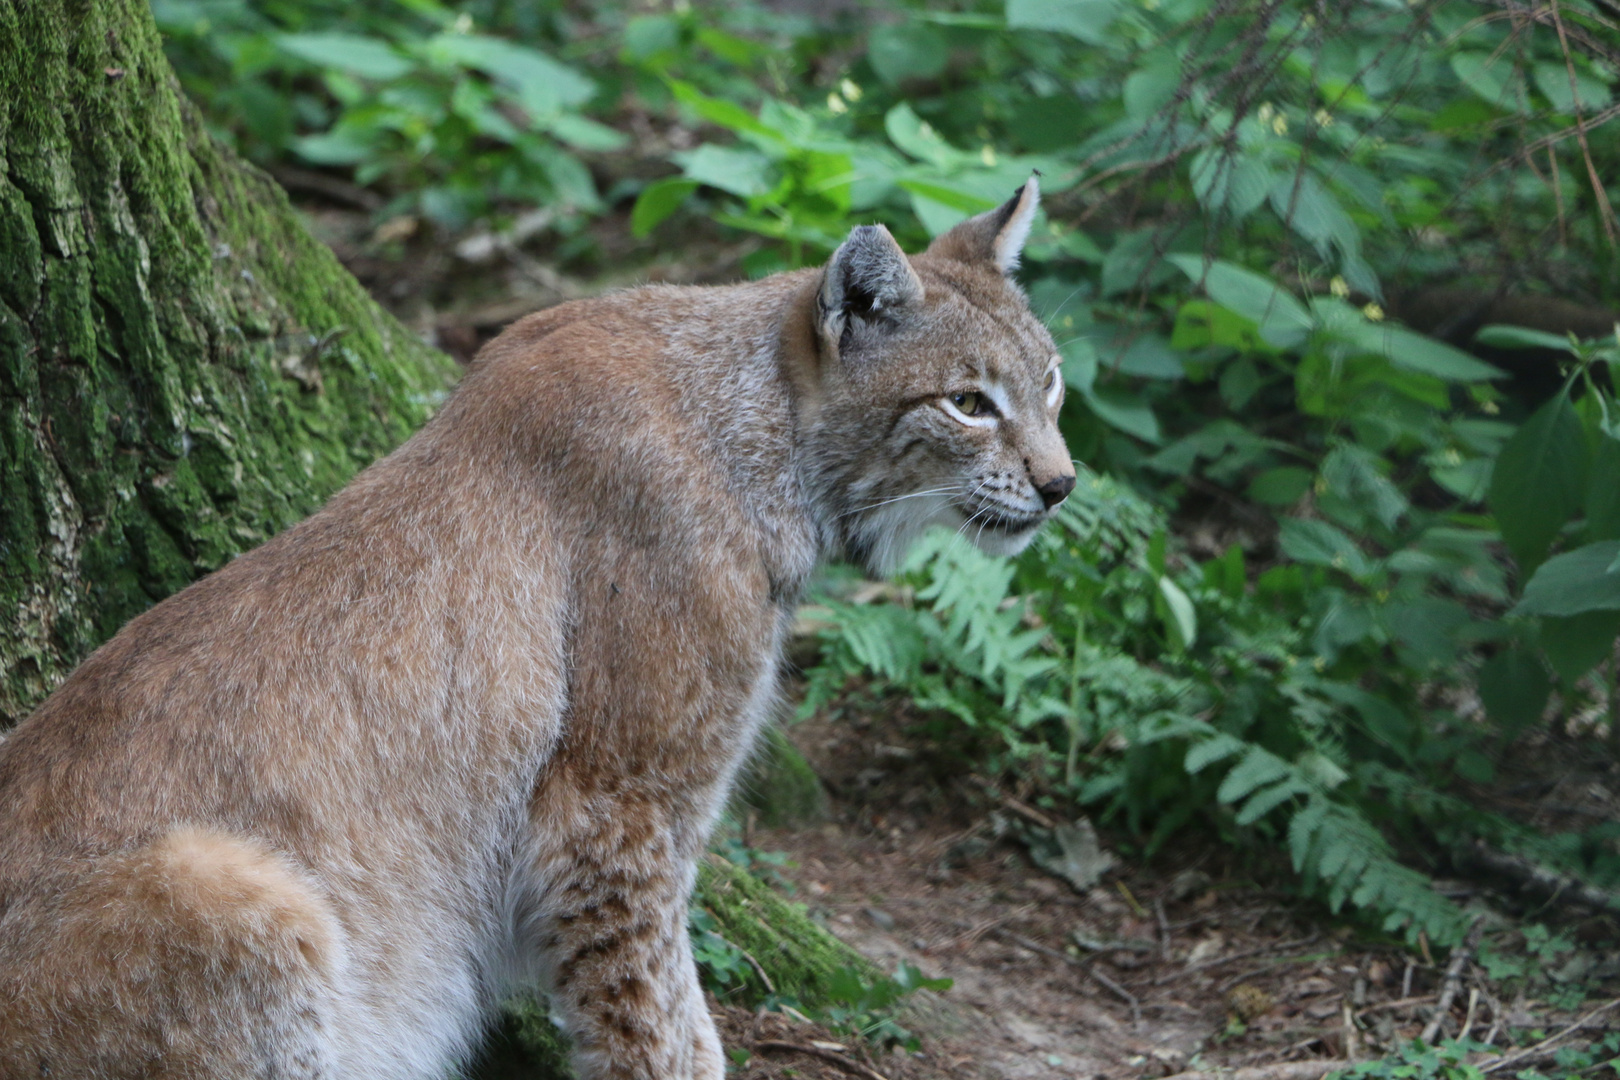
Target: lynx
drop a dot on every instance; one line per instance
(468, 727)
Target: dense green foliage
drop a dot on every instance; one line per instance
(1324, 613)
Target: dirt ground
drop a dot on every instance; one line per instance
(1186, 964)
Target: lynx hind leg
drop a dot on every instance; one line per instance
(196, 957)
(623, 981)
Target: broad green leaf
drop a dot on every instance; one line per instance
(1498, 336)
(741, 172)
(657, 201)
(1575, 644)
(1539, 481)
(1230, 181)
(336, 147)
(1554, 81)
(1493, 76)
(907, 50)
(1283, 321)
(1427, 630)
(1411, 351)
(1322, 544)
(1575, 582)
(1125, 410)
(1183, 618)
(917, 137)
(1312, 211)
(544, 86)
(1153, 85)
(1513, 685)
(585, 134)
(1087, 20)
(1603, 491)
(1282, 486)
(728, 115)
(369, 58)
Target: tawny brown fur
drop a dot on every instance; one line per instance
(468, 727)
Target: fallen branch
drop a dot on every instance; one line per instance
(1282, 1070)
(1535, 878)
(1452, 982)
(1244, 955)
(848, 1064)
(1515, 1058)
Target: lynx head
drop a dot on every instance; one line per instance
(939, 392)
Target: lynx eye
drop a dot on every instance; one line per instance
(1052, 387)
(971, 403)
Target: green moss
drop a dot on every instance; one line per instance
(798, 954)
(525, 1045)
(780, 786)
(152, 288)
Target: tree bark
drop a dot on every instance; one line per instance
(184, 370)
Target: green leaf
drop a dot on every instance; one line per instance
(1412, 351)
(1153, 85)
(544, 86)
(1229, 181)
(1282, 486)
(369, 58)
(1268, 799)
(1322, 544)
(1575, 582)
(1498, 336)
(1576, 644)
(1129, 412)
(1283, 321)
(1603, 491)
(1183, 619)
(1554, 81)
(1493, 77)
(902, 51)
(1087, 20)
(657, 201)
(585, 134)
(1217, 747)
(1258, 768)
(741, 172)
(917, 137)
(1539, 480)
(1306, 205)
(1513, 685)
(728, 115)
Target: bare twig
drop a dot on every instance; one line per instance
(1460, 957)
(1244, 955)
(1398, 1003)
(848, 1064)
(1514, 1059)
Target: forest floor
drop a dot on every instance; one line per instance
(1187, 963)
(1195, 960)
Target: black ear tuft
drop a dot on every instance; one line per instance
(868, 282)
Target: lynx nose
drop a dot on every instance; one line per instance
(1055, 490)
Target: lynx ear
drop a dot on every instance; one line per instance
(868, 280)
(995, 236)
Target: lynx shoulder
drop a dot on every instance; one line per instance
(468, 727)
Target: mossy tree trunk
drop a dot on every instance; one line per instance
(183, 369)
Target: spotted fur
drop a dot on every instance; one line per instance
(467, 728)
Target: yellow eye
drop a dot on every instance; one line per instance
(1051, 379)
(971, 403)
